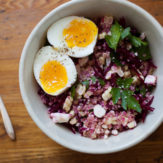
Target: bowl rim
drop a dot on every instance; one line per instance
(29, 107)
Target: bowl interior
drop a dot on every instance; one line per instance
(118, 8)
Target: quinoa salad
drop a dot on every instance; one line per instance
(114, 85)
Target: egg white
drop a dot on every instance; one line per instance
(56, 38)
(48, 53)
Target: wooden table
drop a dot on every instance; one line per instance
(17, 19)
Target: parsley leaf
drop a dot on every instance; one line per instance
(93, 78)
(120, 82)
(143, 91)
(113, 40)
(133, 104)
(114, 58)
(125, 33)
(128, 82)
(129, 101)
(124, 83)
(137, 42)
(73, 91)
(144, 53)
(102, 82)
(125, 95)
(86, 83)
(124, 99)
(116, 94)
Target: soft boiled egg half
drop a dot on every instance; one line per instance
(74, 35)
(55, 72)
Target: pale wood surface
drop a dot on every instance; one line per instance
(17, 19)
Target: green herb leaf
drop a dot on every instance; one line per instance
(129, 92)
(73, 91)
(134, 104)
(137, 42)
(137, 90)
(124, 99)
(113, 40)
(120, 82)
(143, 91)
(93, 78)
(144, 53)
(129, 101)
(86, 83)
(124, 83)
(114, 58)
(102, 82)
(125, 33)
(128, 82)
(116, 94)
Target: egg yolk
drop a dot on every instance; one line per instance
(53, 76)
(80, 33)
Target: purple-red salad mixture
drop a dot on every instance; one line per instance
(113, 90)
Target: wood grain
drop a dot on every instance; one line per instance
(17, 19)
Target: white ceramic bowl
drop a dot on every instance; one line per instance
(92, 8)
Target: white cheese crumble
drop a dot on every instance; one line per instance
(60, 117)
(131, 124)
(150, 79)
(99, 111)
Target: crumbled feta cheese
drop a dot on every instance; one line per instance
(107, 132)
(118, 70)
(105, 136)
(114, 132)
(88, 94)
(77, 124)
(141, 76)
(136, 54)
(93, 136)
(142, 36)
(125, 121)
(60, 117)
(82, 114)
(80, 90)
(108, 61)
(114, 69)
(127, 74)
(102, 35)
(97, 131)
(73, 121)
(131, 124)
(72, 113)
(150, 79)
(111, 120)
(108, 75)
(99, 111)
(102, 60)
(104, 126)
(107, 95)
(67, 104)
(135, 80)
